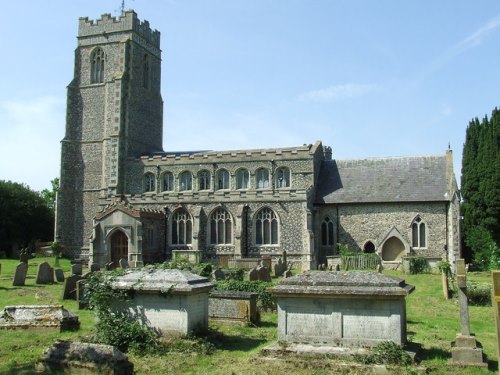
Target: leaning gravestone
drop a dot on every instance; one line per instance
(123, 263)
(59, 275)
(219, 274)
(76, 269)
(45, 274)
(466, 350)
(20, 275)
(70, 287)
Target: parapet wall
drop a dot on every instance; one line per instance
(128, 21)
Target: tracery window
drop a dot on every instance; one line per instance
(327, 232)
(145, 72)
(222, 179)
(418, 233)
(149, 182)
(168, 181)
(204, 180)
(185, 181)
(282, 177)
(266, 227)
(97, 66)
(220, 227)
(262, 178)
(181, 228)
(242, 179)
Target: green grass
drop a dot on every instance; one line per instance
(432, 322)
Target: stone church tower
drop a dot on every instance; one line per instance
(114, 112)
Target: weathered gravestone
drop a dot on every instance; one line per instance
(253, 274)
(288, 273)
(466, 351)
(20, 274)
(123, 263)
(279, 268)
(263, 273)
(76, 269)
(82, 297)
(70, 287)
(84, 358)
(59, 275)
(218, 274)
(45, 274)
(233, 307)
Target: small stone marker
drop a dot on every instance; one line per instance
(466, 350)
(263, 273)
(45, 274)
(70, 287)
(253, 274)
(76, 269)
(20, 275)
(288, 273)
(218, 274)
(123, 263)
(59, 275)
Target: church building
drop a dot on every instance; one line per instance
(122, 196)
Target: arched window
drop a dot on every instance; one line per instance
(204, 180)
(327, 232)
(266, 227)
(369, 247)
(97, 66)
(418, 234)
(220, 227)
(168, 181)
(145, 72)
(242, 179)
(222, 179)
(282, 177)
(182, 228)
(149, 182)
(262, 178)
(185, 181)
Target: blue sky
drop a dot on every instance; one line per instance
(369, 78)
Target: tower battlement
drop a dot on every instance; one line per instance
(128, 21)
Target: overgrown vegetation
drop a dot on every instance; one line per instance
(266, 300)
(479, 294)
(418, 265)
(183, 263)
(387, 353)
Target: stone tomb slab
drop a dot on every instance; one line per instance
(54, 317)
(351, 309)
(233, 307)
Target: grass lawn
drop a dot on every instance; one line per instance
(432, 322)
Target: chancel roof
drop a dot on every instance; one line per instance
(395, 179)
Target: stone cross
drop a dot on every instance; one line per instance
(462, 297)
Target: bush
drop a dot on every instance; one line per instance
(479, 294)
(387, 353)
(418, 265)
(266, 300)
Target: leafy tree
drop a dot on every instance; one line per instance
(24, 216)
(49, 196)
(481, 189)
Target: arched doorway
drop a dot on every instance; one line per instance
(119, 247)
(393, 249)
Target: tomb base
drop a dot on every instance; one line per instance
(466, 351)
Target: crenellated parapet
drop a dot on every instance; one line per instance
(128, 21)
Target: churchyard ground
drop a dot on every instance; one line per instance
(432, 322)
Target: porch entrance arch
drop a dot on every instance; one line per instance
(393, 249)
(119, 247)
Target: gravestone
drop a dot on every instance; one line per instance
(279, 268)
(288, 273)
(24, 256)
(82, 297)
(123, 263)
(76, 269)
(45, 274)
(253, 274)
(20, 274)
(94, 267)
(219, 274)
(78, 357)
(466, 349)
(59, 275)
(263, 273)
(70, 287)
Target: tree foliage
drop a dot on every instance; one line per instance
(24, 216)
(481, 189)
(49, 196)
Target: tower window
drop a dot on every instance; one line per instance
(283, 177)
(242, 179)
(262, 178)
(182, 228)
(149, 182)
(327, 232)
(222, 179)
(418, 233)
(266, 227)
(220, 227)
(145, 72)
(97, 66)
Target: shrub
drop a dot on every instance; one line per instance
(479, 294)
(418, 265)
(388, 353)
(266, 300)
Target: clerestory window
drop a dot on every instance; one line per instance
(168, 181)
(222, 179)
(242, 179)
(97, 66)
(262, 178)
(204, 180)
(149, 182)
(185, 181)
(282, 177)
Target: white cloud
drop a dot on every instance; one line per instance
(476, 38)
(333, 93)
(29, 146)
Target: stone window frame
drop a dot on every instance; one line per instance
(171, 183)
(149, 182)
(223, 180)
(185, 181)
(146, 71)
(418, 230)
(181, 227)
(220, 228)
(273, 227)
(327, 236)
(282, 178)
(239, 184)
(204, 179)
(97, 60)
(262, 180)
